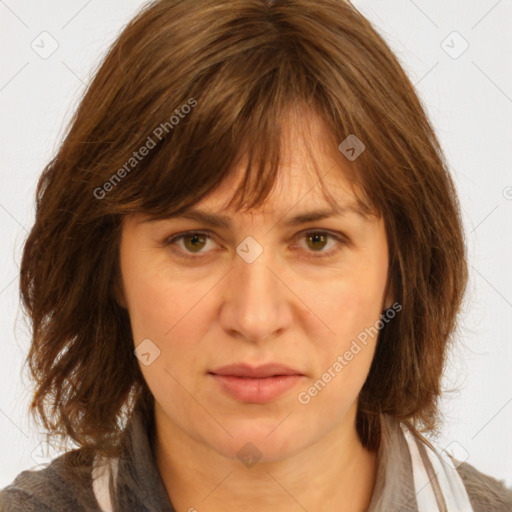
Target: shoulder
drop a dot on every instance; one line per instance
(65, 484)
(485, 492)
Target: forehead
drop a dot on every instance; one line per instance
(296, 187)
(312, 172)
(307, 174)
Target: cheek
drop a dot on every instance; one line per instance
(353, 302)
(149, 306)
(157, 300)
(344, 359)
(168, 311)
(159, 313)
(350, 305)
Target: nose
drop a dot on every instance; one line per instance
(256, 301)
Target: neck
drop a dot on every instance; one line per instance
(337, 473)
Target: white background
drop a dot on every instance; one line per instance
(468, 98)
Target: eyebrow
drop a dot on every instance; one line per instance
(219, 220)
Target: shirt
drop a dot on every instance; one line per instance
(66, 484)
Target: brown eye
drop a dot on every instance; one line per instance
(320, 244)
(194, 242)
(317, 241)
(189, 245)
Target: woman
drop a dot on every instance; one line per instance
(244, 273)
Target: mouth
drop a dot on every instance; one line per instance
(256, 384)
(256, 372)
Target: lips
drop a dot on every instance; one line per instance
(255, 372)
(256, 384)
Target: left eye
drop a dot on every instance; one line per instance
(318, 240)
(194, 242)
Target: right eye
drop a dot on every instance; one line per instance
(189, 243)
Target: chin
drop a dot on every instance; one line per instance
(261, 441)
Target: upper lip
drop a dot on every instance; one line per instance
(247, 370)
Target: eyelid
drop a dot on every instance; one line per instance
(340, 239)
(171, 240)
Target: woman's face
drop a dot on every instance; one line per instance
(258, 289)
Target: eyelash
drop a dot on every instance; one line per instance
(323, 254)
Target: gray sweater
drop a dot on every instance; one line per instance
(66, 483)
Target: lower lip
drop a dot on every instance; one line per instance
(256, 391)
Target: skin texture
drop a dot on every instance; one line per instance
(284, 307)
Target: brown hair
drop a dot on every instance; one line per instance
(239, 66)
